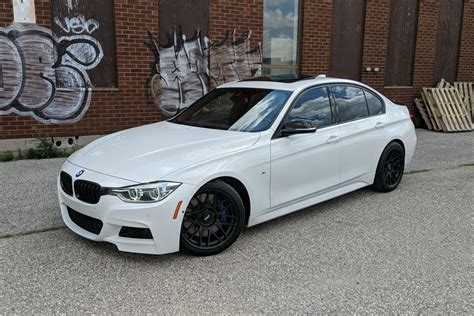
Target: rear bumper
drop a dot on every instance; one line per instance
(114, 214)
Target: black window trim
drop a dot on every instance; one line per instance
(334, 105)
(366, 104)
(375, 95)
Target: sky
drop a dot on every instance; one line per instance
(280, 19)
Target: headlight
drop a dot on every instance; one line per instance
(145, 193)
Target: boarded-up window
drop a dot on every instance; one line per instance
(95, 19)
(447, 47)
(347, 38)
(186, 16)
(401, 42)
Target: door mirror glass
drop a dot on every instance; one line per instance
(298, 126)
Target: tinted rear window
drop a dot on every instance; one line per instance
(374, 103)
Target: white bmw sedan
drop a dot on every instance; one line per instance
(245, 153)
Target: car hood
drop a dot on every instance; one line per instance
(149, 153)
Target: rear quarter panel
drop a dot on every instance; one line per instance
(399, 126)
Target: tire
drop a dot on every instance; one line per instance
(390, 168)
(213, 220)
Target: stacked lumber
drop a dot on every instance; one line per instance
(447, 108)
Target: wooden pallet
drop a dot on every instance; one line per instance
(432, 110)
(466, 89)
(449, 104)
(443, 84)
(424, 113)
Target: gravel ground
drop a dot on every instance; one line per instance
(406, 251)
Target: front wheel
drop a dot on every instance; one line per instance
(390, 168)
(213, 220)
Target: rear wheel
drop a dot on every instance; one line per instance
(213, 220)
(390, 168)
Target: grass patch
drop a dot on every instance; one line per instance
(6, 156)
(471, 164)
(44, 150)
(418, 171)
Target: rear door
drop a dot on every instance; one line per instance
(362, 130)
(304, 164)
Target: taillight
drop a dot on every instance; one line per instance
(412, 117)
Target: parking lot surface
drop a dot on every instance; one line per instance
(410, 250)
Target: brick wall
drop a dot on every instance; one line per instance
(315, 37)
(242, 15)
(131, 104)
(377, 15)
(425, 53)
(109, 111)
(466, 51)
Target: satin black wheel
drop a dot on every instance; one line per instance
(390, 168)
(213, 220)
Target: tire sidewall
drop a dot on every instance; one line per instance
(379, 183)
(218, 185)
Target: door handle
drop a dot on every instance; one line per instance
(379, 124)
(332, 139)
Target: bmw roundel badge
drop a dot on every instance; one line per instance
(79, 173)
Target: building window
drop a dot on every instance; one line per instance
(401, 43)
(449, 35)
(347, 36)
(90, 22)
(280, 37)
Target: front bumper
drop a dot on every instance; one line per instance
(160, 218)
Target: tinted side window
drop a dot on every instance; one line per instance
(351, 103)
(313, 105)
(374, 103)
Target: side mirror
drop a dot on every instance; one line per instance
(298, 126)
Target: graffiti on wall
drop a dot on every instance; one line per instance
(77, 24)
(234, 59)
(45, 76)
(185, 68)
(180, 72)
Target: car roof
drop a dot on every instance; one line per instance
(286, 83)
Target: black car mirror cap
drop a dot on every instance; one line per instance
(294, 127)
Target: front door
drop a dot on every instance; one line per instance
(304, 164)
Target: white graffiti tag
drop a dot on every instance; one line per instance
(44, 76)
(181, 72)
(77, 25)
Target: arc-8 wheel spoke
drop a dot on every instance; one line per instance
(393, 167)
(210, 219)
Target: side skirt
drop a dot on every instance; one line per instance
(313, 199)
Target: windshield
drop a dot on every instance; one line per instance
(235, 109)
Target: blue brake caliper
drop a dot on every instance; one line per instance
(222, 212)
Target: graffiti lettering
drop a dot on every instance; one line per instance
(77, 25)
(45, 76)
(181, 72)
(1, 77)
(233, 59)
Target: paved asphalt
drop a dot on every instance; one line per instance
(410, 250)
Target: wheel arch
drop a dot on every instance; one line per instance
(241, 190)
(397, 140)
